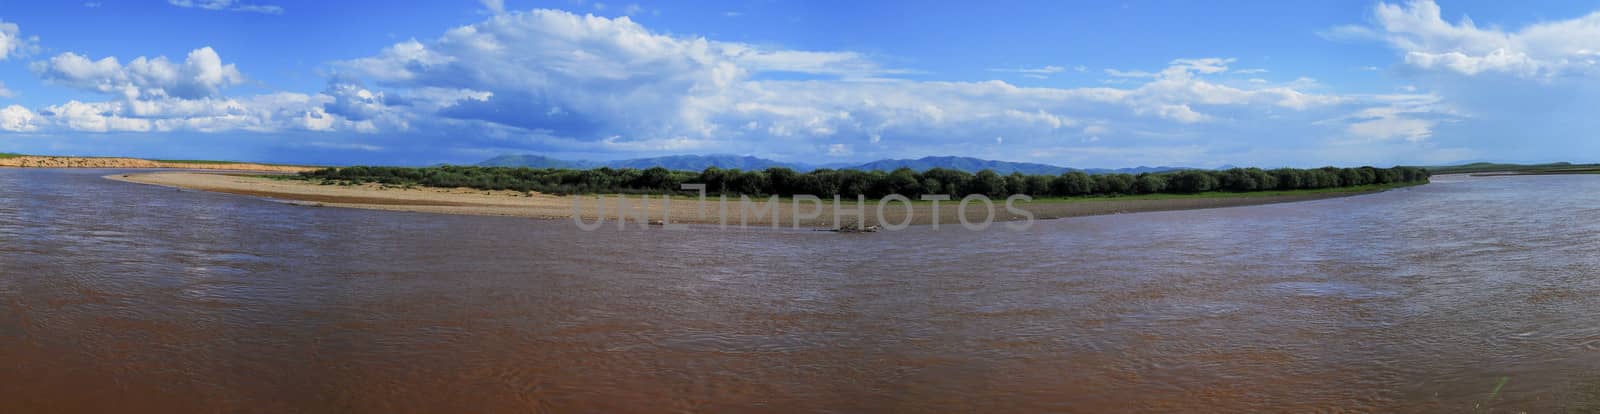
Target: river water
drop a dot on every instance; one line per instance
(1469, 293)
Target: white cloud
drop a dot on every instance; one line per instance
(262, 113)
(95, 117)
(158, 95)
(6, 93)
(1542, 50)
(1180, 113)
(1129, 74)
(1203, 65)
(612, 81)
(1174, 90)
(848, 64)
(494, 6)
(12, 43)
(16, 118)
(1387, 123)
(1411, 117)
(355, 102)
(581, 83)
(349, 146)
(228, 5)
(202, 74)
(1042, 72)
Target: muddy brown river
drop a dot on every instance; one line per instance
(1466, 294)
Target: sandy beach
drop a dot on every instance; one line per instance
(36, 161)
(683, 210)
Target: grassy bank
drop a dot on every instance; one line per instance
(1524, 169)
(1552, 171)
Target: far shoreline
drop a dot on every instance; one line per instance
(51, 161)
(462, 201)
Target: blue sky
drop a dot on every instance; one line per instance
(1084, 85)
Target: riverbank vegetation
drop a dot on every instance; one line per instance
(1519, 169)
(873, 184)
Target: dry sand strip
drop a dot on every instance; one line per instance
(543, 206)
(34, 161)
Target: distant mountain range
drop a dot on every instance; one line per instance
(701, 162)
(534, 161)
(964, 164)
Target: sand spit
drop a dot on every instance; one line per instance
(34, 161)
(544, 206)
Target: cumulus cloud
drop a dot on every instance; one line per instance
(227, 5)
(201, 74)
(1541, 50)
(274, 112)
(94, 117)
(354, 101)
(159, 95)
(12, 43)
(553, 80)
(16, 118)
(1479, 81)
(612, 83)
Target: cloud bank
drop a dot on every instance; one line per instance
(561, 82)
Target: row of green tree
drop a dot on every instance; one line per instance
(873, 184)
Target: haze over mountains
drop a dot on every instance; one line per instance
(701, 162)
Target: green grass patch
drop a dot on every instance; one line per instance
(9, 155)
(1484, 167)
(1560, 171)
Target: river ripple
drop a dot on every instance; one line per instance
(123, 297)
